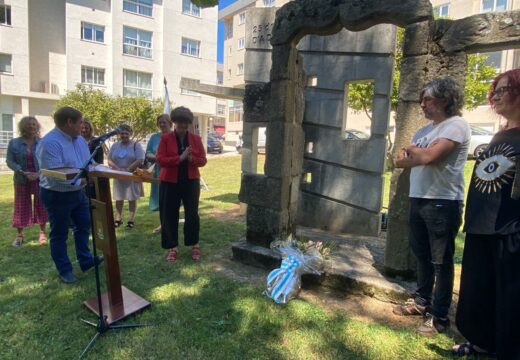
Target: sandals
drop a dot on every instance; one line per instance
(117, 223)
(195, 253)
(172, 255)
(466, 349)
(42, 238)
(18, 240)
(130, 224)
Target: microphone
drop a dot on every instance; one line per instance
(107, 135)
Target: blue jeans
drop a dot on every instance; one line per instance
(63, 208)
(434, 224)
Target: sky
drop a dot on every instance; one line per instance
(220, 40)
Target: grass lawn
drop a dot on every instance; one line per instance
(199, 313)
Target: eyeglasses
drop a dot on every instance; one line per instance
(500, 91)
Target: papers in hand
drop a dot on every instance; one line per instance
(106, 169)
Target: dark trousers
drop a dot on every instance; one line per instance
(64, 208)
(170, 198)
(434, 224)
(488, 314)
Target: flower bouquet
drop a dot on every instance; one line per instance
(299, 256)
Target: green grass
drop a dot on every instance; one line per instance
(198, 312)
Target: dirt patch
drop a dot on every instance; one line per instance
(230, 214)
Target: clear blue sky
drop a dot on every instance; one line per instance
(220, 40)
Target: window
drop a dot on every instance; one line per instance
(221, 109)
(137, 83)
(269, 3)
(241, 43)
(6, 63)
(189, 92)
(6, 130)
(236, 112)
(92, 32)
(230, 51)
(92, 75)
(228, 26)
(494, 5)
(240, 69)
(229, 74)
(190, 9)
(137, 42)
(442, 10)
(190, 47)
(142, 7)
(5, 15)
(494, 59)
(241, 18)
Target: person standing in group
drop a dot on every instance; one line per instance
(22, 160)
(87, 131)
(66, 202)
(436, 157)
(487, 311)
(180, 154)
(126, 155)
(164, 124)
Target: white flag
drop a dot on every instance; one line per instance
(166, 96)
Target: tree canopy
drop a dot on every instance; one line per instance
(108, 112)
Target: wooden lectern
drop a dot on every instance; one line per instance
(118, 302)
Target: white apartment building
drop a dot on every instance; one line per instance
(234, 18)
(482, 116)
(124, 47)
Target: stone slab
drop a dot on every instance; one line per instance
(354, 266)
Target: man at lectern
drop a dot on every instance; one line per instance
(65, 202)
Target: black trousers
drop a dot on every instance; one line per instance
(170, 198)
(434, 224)
(488, 313)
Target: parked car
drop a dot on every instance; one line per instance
(215, 143)
(480, 139)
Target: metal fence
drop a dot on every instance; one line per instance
(5, 136)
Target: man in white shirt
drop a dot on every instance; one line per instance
(436, 157)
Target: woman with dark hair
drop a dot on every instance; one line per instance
(180, 155)
(164, 124)
(487, 312)
(126, 155)
(22, 160)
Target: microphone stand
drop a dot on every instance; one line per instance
(102, 326)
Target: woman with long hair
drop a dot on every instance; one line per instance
(487, 311)
(28, 208)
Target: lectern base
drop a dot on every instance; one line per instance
(131, 304)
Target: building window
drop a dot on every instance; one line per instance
(142, 7)
(137, 83)
(241, 18)
(190, 47)
(190, 9)
(240, 69)
(442, 10)
(229, 74)
(269, 3)
(230, 51)
(5, 15)
(137, 42)
(241, 43)
(494, 59)
(228, 27)
(494, 5)
(221, 109)
(6, 62)
(236, 112)
(92, 32)
(6, 130)
(92, 75)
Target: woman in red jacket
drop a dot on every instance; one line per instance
(180, 154)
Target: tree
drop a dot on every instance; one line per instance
(205, 3)
(107, 112)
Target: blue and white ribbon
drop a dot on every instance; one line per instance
(284, 283)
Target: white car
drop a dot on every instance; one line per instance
(480, 139)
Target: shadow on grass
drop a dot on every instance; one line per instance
(227, 198)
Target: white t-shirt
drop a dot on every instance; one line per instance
(445, 178)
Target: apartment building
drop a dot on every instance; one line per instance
(234, 18)
(124, 47)
(482, 116)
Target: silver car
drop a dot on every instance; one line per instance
(480, 139)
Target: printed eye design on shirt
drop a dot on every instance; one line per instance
(496, 167)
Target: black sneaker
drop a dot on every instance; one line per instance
(433, 325)
(68, 277)
(98, 259)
